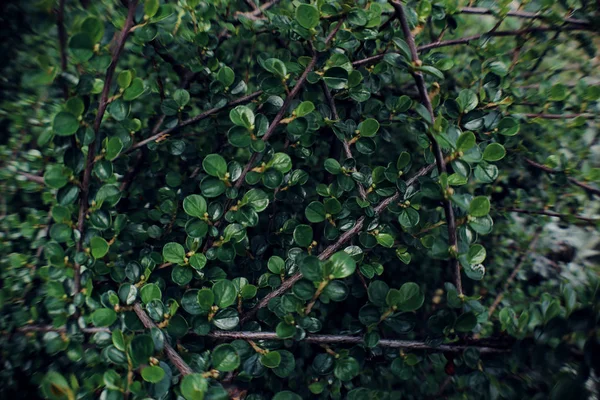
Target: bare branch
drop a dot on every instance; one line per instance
(345, 144)
(85, 186)
(561, 116)
(32, 177)
(564, 217)
(345, 339)
(437, 151)
(193, 120)
(574, 181)
(469, 39)
(170, 351)
(519, 14)
(512, 276)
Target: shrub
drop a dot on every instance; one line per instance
(285, 200)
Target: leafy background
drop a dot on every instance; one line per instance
(283, 200)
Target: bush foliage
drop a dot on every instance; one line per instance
(212, 199)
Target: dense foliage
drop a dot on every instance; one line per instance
(212, 199)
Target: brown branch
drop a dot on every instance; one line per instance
(332, 248)
(62, 43)
(193, 120)
(574, 181)
(565, 217)
(560, 116)
(317, 339)
(469, 39)
(279, 116)
(512, 276)
(437, 151)
(85, 187)
(519, 14)
(50, 328)
(170, 351)
(32, 177)
(257, 12)
(345, 144)
(345, 339)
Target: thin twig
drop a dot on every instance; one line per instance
(469, 39)
(345, 144)
(32, 177)
(85, 186)
(512, 276)
(332, 248)
(564, 217)
(437, 151)
(170, 351)
(519, 14)
(317, 339)
(561, 116)
(574, 181)
(284, 108)
(346, 339)
(193, 120)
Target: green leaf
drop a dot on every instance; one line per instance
(194, 387)
(104, 317)
(225, 358)
(135, 90)
(285, 330)
(385, 239)
(311, 268)
(65, 124)
(508, 126)
(150, 292)
(409, 217)
(281, 162)
(467, 100)
(99, 246)
(346, 369)
(226, 76)
(225, 293)
(368, 127)
(181, 97)
(479, 206)
(465, 141)
(307, 16)
(94, 28)
(494, 152)
(206, 299)
(275, 66)
(428, 69)
(303, 235)
(215, 165)
(270, 359)
(124, 79)
(153, 374)
(476, 254)
(305, 108)
(113, 148)
(465, 322)
(332, 166)
(194, 205)
(174, 253)
(315, 212)
(242, 116)
(151, 7)
(408, 298)
(340, 265)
